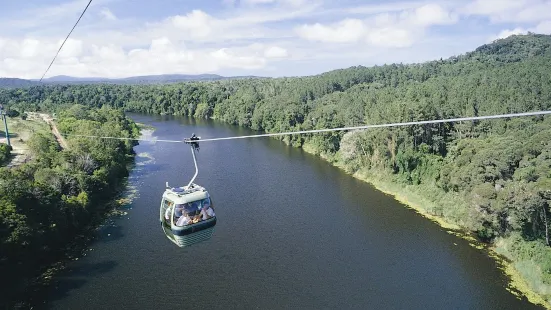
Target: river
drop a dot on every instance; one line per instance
(292, 232)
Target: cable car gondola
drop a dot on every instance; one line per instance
(187, 213)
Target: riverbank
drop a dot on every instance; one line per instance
(74, 190)
(524, 275)
(37, 288)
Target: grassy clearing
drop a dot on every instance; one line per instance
(20, 132)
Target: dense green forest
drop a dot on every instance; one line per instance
(46, 202)
(490, 177)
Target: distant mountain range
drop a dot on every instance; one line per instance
(13, 82)
(146, 79)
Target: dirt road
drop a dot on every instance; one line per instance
(50, 121)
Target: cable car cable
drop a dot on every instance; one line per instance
(86, 8)
(450, 120)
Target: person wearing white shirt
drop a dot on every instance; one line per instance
(167, 213)
(183, 220)
(207, 212)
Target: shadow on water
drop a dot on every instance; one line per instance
(109, 233)
(69, 280)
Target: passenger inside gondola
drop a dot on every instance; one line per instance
(193, 212)
(178, 211)
(206, 210)
(185, 219)
(168, 211)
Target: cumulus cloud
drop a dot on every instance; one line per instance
(201, 26)
(507, 33)
(507, 11)
(197, 24)
(29, 48)
(391, 37)
(275, 52)
(161, 57)
(543, 27)
(433, 14)
(229, 59)
(72, 48)
(348, 30)
(251, 34)
(394, 29)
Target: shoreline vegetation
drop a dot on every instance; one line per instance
(51, 206)
(36, 289)
(491, 178)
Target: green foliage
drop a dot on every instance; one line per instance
(46, 202)
(5, 152)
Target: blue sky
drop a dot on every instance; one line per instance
(119, 38)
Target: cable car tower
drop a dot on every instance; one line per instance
(4, 118)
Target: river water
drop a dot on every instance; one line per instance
(292, 232)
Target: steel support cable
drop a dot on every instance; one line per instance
(59, 50)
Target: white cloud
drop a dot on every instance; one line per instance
(508, 11)
(543, 27)
(391, 37)
(161, 57)
(71, 48)
(29, 48)
(107, 14)
(109, 53)
(196, 24)
(254, 35)
(507, 33)
(226, 57)
(433, 14)
(348, 30)
(276, 52)
(249, 24)
(391, 29)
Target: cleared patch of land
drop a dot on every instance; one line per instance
(21, 131)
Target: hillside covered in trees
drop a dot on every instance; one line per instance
(490, 177)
